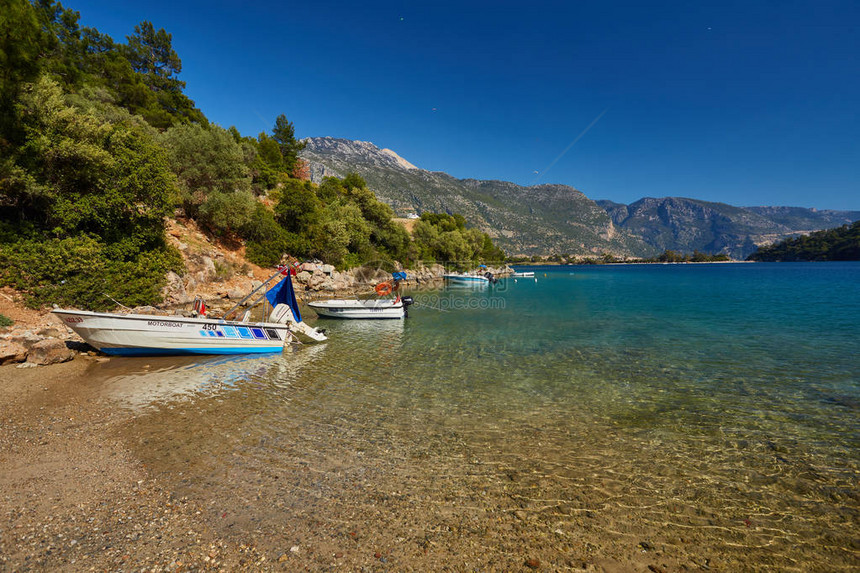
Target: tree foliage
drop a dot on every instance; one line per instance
(209, 164)
(21, 44)
(445, 238)
(339, 221)
(839, 244)
(150, 52)
(83, 203)
(76, 174)
(284, 134)
(99, 144)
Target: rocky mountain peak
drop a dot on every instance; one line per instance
(363, 152)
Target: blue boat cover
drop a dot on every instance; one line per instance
(283, 293)
(399, 276)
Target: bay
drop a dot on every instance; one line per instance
(703, 416)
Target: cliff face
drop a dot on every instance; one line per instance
(545, 219)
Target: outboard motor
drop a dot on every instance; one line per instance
(406, 300)
(489, 276)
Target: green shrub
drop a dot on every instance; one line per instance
(75, 271)
(226, 212)
(5, 321)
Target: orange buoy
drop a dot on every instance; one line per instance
(383, 289)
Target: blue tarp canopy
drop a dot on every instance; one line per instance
(399, 276)
(283, 293)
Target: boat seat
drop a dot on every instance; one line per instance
(247, 316)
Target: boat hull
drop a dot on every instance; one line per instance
(359, 309)
(472, 281)
(147, 335)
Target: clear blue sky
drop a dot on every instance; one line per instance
(749, 103)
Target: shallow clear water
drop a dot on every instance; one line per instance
(710, 412)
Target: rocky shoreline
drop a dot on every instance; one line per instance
(38, 338)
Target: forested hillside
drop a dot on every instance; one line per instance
(99, 144)
(840, 244)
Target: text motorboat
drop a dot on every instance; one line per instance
(146, 335)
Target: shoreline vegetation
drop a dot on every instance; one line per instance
(839, 244)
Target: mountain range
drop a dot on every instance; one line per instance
(558, 219)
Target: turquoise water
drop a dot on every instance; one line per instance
(708, 413)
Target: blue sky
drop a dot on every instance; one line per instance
(748, 103)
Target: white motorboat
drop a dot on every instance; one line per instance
(470, 280)
(144, 334)
(523, 274)
(355, 308)
(473, 280)
(368, 308)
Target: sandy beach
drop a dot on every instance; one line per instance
(74, 499)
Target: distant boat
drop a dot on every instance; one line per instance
(148, 335)
(469, 279)
(523, 274)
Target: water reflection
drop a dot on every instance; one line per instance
(143, 384)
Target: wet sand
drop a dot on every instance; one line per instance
(80, 492)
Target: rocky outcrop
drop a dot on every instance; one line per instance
(49, 351)
(46, 345)
(12, 352)
(324, 279)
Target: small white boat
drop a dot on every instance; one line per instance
(368, 308)
(467, 280)
(147, 335)
(355, 308)
(523, 274)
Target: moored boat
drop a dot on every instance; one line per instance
(368, 308)
(469, 279)
(144, 334)
(355, 308)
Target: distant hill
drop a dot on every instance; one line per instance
(682, 224)
(522, 220)
(808, 219)
(558, 219)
